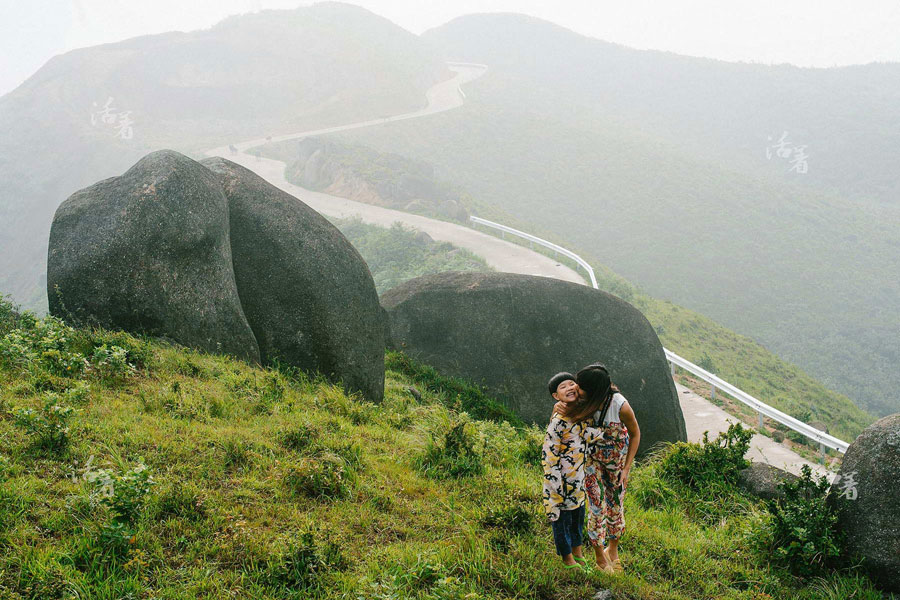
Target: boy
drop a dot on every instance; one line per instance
(563, 460)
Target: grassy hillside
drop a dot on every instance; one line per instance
(147, 470)
(806, 271)
(246, 77)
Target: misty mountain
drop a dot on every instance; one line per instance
(91, 113)
(656, 164)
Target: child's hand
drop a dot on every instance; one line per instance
(559, 407)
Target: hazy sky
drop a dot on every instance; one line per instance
(819, 33)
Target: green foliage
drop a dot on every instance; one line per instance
(802, 533)
(398, 254)
(325, 476)
(707, 363)
(709, 463)
(707, 472)
(513, 519)
(49, 426)
(452, 452)
(122, 492)
(300, 567)
(228, 522)
(452, 391)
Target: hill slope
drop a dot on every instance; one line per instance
(183, 475)
(810, 274)
(91, 113)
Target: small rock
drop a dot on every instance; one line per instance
(415, 393)
(761, 480)
(603, 595)
(424, 238)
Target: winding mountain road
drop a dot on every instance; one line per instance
(499, 254)
(699, 414)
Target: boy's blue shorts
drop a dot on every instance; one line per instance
(568, 530)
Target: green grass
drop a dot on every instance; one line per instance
(272, 484)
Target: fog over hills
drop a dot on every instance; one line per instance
(666, 168)
(656, 164)
(91, 113)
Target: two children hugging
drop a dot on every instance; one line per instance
(588, 452)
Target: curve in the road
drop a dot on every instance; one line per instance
(499, 254)
(700, 415)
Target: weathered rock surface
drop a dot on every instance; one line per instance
(149, 252)
(510, 333)
(761, 480)
(307, 293)
(867, 502)
(214, 257)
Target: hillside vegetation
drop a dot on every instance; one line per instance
(625, 154)
(398, 254)
(131, 468)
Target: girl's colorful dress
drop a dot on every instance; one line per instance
(604, 460)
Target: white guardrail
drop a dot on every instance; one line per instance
(762, 409)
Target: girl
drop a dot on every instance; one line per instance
(608, 461)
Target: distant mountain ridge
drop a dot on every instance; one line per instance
(90, 113)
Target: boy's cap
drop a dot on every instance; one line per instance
(558, 379)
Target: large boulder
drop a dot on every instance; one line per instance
(510, 333)
(307, 293)
(866, 499)
(149, 252)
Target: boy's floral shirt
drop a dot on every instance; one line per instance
(563, 460)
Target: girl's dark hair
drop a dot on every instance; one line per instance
(599, 389)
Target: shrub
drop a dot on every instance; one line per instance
(709, 463)
(111, 361)
(44, 342)
(325, 476)
(123, 492)
(530, 451)
(47, 426)
(455, 455)
(802, 533)
(706, 363)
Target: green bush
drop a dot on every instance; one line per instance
(709, 463)
(453, 455)
(325, 476)
(49, 426)
(802, 535)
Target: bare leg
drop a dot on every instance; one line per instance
(600, 556)
(612, 550)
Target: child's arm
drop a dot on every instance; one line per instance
(591, 434)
